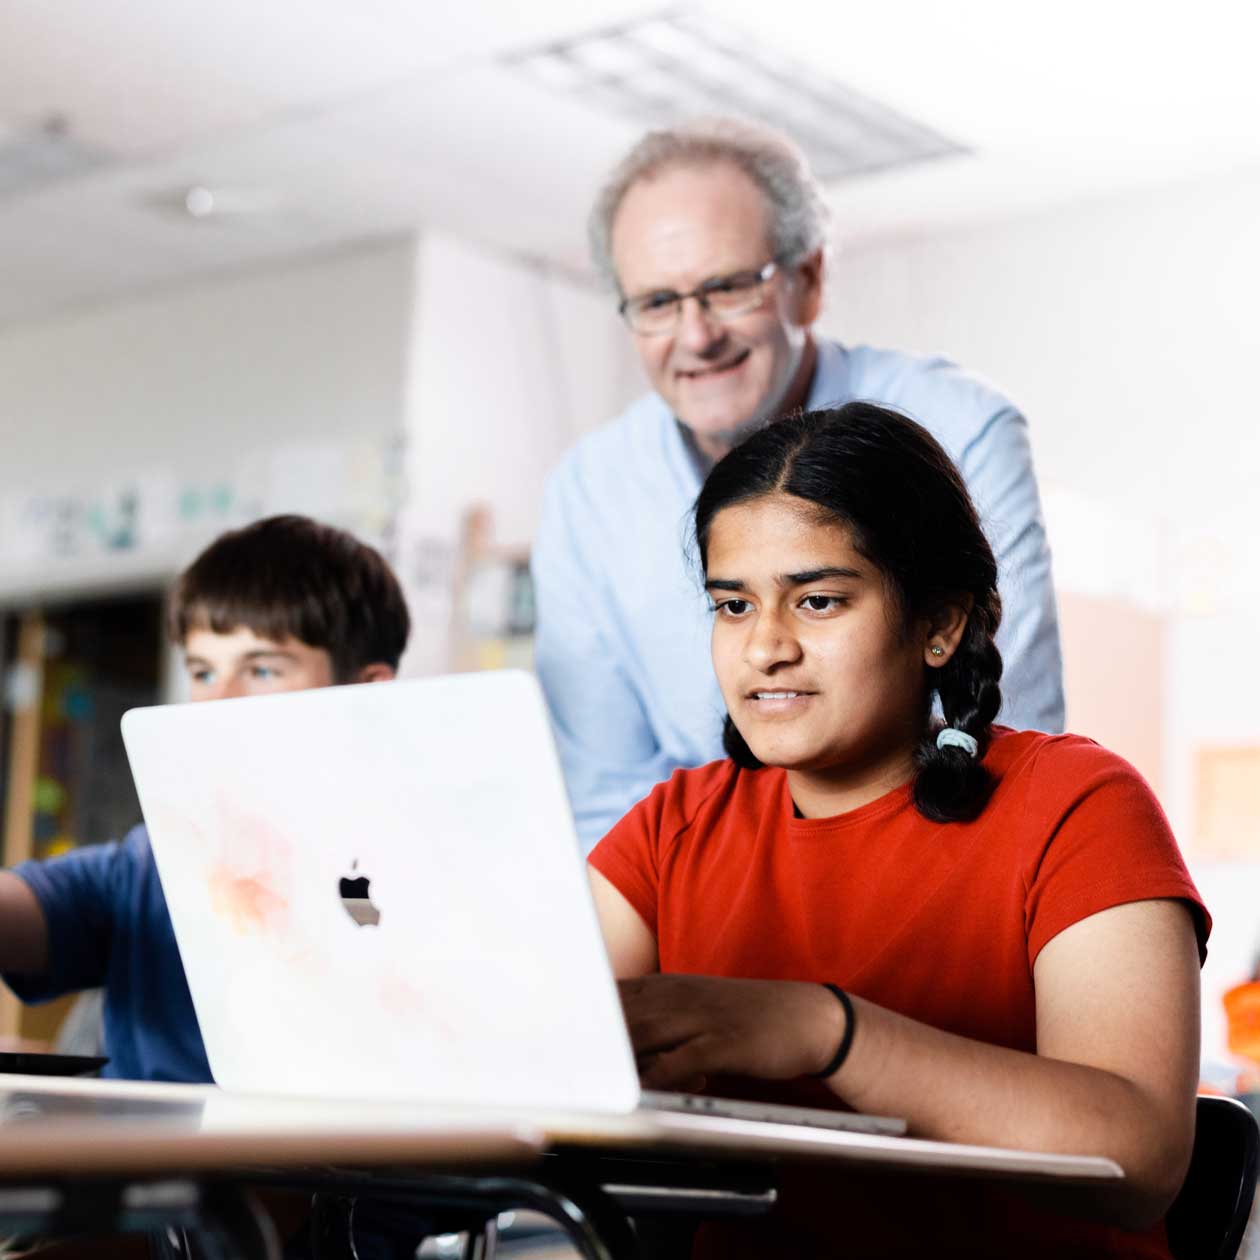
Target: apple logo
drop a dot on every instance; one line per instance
(355, 900)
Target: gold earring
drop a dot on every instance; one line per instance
(937, 650)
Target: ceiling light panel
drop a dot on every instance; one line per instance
(676, 65)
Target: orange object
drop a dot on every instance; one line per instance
(1242, 1012)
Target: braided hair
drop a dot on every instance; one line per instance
(890, 483)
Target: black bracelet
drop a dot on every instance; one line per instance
(842, 1051)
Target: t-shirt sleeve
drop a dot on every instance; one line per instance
(628, 856)
(1106, 842)
(80, 893)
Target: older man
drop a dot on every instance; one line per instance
(715, 237)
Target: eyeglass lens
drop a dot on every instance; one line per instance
(724, 298)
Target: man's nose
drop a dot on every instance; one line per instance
(697, 330)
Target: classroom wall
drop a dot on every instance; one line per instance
(510, 362)
(1117, 696)
(206, 404)
(1126, 331)
(1124, 328)
(1213, 701)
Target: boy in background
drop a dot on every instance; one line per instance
(281, 605)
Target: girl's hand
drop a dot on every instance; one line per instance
(686, 1028)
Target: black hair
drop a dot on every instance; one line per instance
(292, 577)
(890, 483)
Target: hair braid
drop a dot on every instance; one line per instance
(952, 785)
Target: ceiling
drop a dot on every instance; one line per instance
(337, 123)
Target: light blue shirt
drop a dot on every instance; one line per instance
(622, 645)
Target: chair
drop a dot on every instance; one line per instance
(1209, 1214)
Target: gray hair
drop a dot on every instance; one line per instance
(799, 217)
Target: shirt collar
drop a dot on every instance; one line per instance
(831, 376)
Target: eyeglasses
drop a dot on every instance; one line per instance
(723, 298)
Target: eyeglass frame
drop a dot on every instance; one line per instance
(764, 274)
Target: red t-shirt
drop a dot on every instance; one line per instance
(939, 921)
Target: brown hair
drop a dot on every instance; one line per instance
(292, 577)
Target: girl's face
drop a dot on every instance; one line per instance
(819, 672)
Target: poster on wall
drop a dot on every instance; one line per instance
(157, 518)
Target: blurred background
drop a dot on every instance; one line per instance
(330, 259)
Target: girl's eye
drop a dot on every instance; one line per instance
(822, 603)
(263, 672)
(733, 607)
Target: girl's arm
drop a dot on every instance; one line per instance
(1114, 1073)
(630, 942)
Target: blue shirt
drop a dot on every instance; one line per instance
(108, 927)
(622, 645)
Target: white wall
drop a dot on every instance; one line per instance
(292, 354)
(1127, 332)
(262, 391)
(510, 364)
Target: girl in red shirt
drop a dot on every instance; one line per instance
(990, 933)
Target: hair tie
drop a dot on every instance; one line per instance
(846, 1040)
(951, 736)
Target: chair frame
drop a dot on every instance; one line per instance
(1209, 1215)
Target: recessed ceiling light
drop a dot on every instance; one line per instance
(213, 203)
(672, 66)
(199, 201)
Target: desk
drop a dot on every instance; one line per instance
(140, 1155)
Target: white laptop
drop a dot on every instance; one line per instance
(377, 892)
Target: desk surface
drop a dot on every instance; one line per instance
(109, 1126)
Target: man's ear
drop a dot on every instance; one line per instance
(378, 671)
(945, 630)
(807, 282)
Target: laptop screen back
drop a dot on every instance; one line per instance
(377, 892)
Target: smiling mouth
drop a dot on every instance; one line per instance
(718, 369)
(780, 696)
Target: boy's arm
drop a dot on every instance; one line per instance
(23, 928)
(78, 896)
